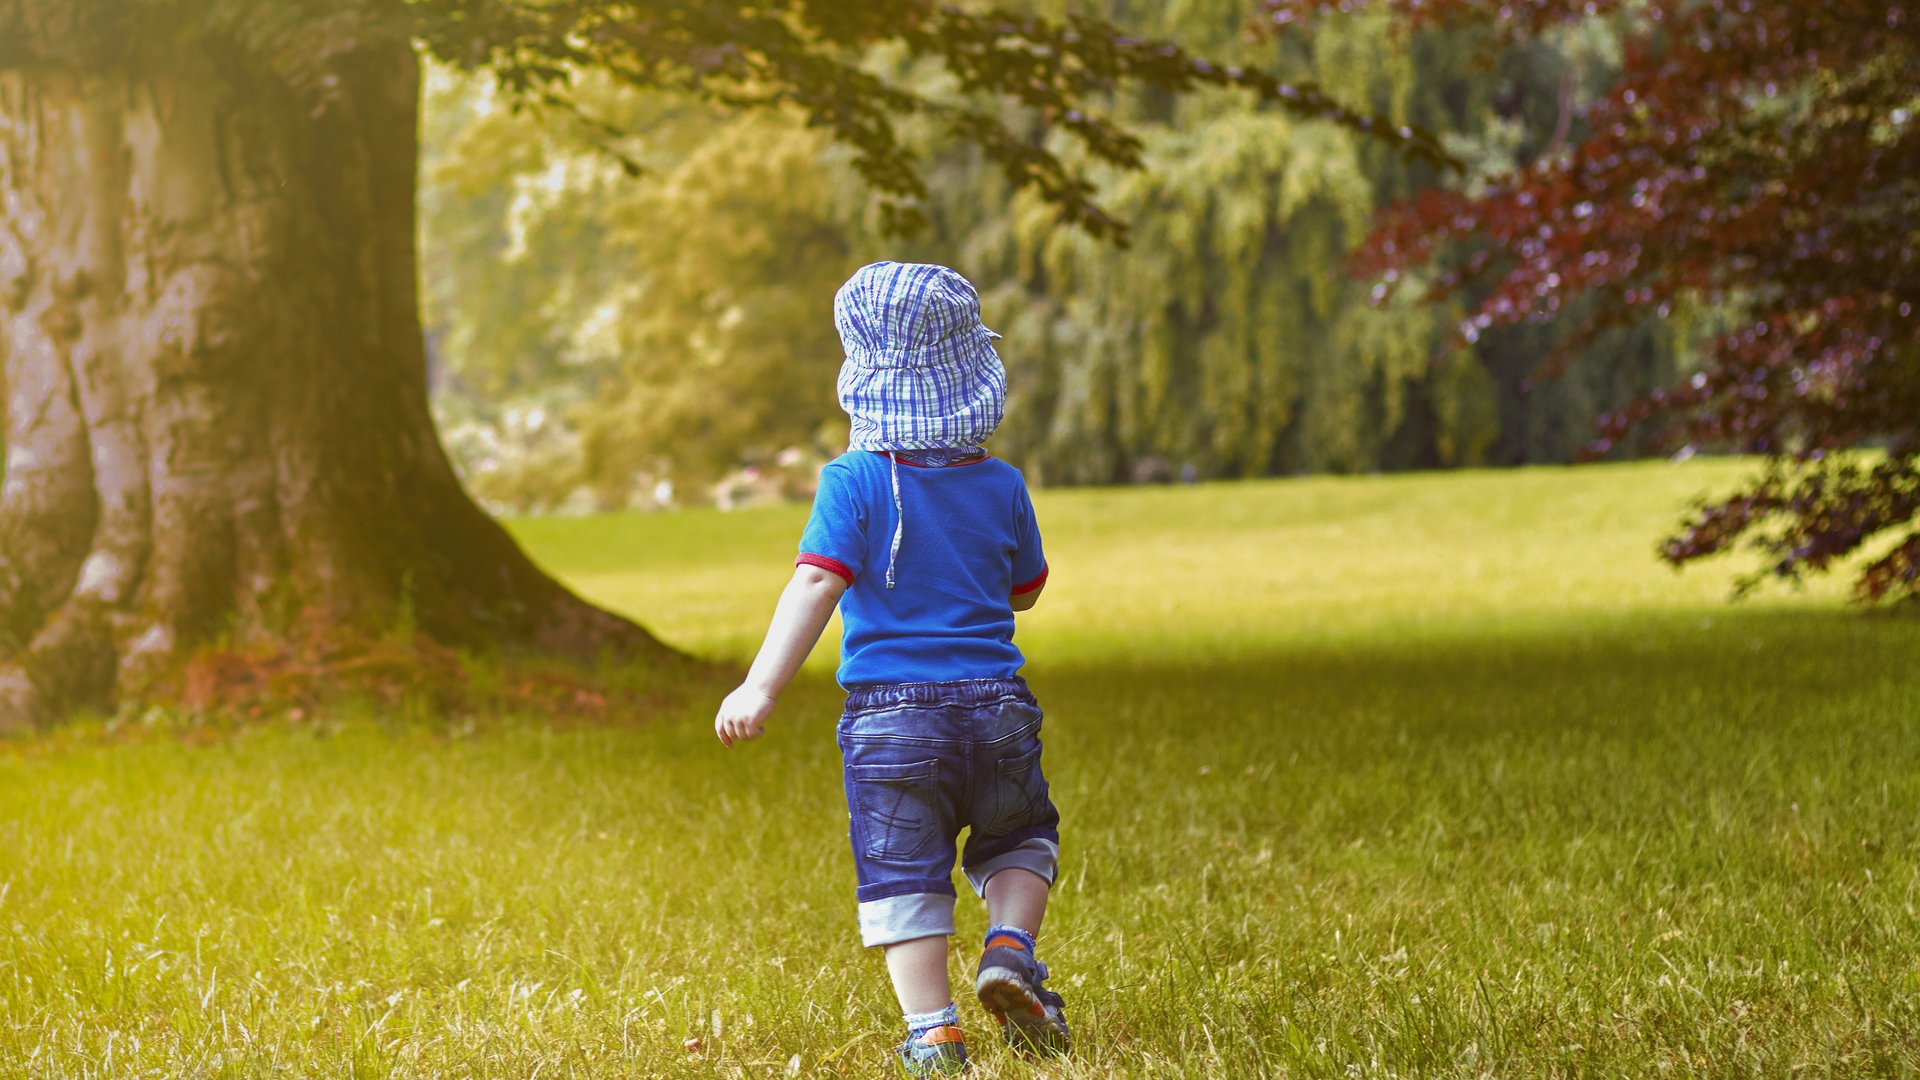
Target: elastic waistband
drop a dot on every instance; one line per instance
(960, 692)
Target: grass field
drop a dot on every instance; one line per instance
(1388, 776)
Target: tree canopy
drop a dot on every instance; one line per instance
(615, 332)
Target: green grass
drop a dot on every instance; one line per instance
(1398, 776)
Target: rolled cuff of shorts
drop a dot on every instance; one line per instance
(893, 919)
(1036, 854)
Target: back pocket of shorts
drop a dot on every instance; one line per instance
(1019, 791)
(897, 808)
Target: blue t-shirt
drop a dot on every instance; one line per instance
(969, 543)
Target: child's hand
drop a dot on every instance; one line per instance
(742, 716)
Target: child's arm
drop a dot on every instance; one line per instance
(1022, 601)
(1029, 561)
(1027, 595)
(805, 606)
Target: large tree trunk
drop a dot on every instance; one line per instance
(216, 405)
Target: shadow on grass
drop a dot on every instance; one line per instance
(1765, 666)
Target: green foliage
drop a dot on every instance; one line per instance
(782, 54)
(1438, 776)
(1227, 336)
(662, 329)
(680, 326)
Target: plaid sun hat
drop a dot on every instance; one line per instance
(921, 372)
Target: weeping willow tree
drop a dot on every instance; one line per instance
(1227, 338)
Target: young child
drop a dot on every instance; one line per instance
(928, 545)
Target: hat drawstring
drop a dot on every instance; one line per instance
(899, 517)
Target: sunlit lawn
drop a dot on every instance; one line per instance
(1433, 775)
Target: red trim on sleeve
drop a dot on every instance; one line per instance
(834, 565)
(1034, 584)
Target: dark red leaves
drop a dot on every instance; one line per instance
(1757, 165)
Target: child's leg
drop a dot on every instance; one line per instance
(934, 1046)
(1010, 979)
(919, 971)
(1017, 897)
(1011, 857)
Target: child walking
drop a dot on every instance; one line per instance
(928, 545)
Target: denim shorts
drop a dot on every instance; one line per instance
(923, 761)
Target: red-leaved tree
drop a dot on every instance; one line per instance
(1758, 163)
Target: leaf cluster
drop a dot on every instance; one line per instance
(1758, 160)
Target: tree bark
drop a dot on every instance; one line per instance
(216, 402)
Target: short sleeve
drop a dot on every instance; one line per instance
(1029, 560)
(835, 538)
